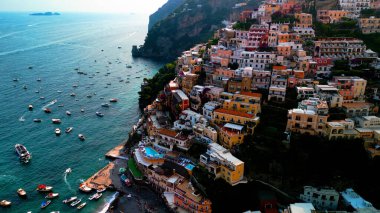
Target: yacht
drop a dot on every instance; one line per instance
(44, 188)
(5, 203)
(57, 132)
(68, 113)
(52, 195)
(21, 192)
(76, 202)
(23, 153)
(84, 188)
(81, 137)
(69, 200)
(56, 121)
(30, 107)
(68, 170)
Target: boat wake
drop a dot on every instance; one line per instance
(109, 201)
(21, 119)
(67, 183)
(49, 104)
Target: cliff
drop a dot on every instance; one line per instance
(192, 22)
(164, 11)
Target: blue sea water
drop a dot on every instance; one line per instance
(54, 46)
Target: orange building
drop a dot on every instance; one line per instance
(304, 20)
(331, 16)
(239, 84)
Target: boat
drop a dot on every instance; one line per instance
(105, 105)
(55, 212)
(52, 195)
(69, 129)
(30, 107)
(37, 120)
(23, 153)
(44, 204)
(68, 170)
(15, 79)
(129, 196)
(95, 196)
(25, 87)
(81, 137)
(82, 110)
(113, 100)
(44, 188)
(61, 105)
(89, 96)
(21, 192)
(42, 97)
(81, 205)
(99, 114)
(101, 190)
(38, 79)
(59, 91)
(72, 94)
(108, 84)
(69, 200)
(68, 113)
(84, 188)
(56, 121)
(75, 85)
(57, 131)
(5, 203)
(76, 202)
(129, 66)
(47, 110)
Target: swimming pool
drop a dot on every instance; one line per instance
(190, 167)
(151, 153)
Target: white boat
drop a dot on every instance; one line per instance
(81, 137)
(106, 105)
(68, 113)
(99, 114)
(57, 131)
(76, 202)
(21, 192)
(23, 153)
(56, 121)
(37, 120)
(69, 200)
(81, 205)
(44, 188)
(82, 110)
(5, 203)
(84, 188)
(30, 107)
(52, 195)
(72, 94)
(69, 129)
(101, 190)
(129, 196)
(113, 100)
(95, 196)
(68, 170)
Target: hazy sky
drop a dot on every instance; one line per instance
(136, 6)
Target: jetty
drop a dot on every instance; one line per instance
(117, 153)
(101, 179)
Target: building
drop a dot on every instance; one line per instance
(300, 208)
(356, 109)
(205, 133)
(324, 66)
(350, 87)
(330, 94)
(179, 102)
(231, 135)
(355, 6)
(223, 116)
(331, 16)
(369, 122)
(188, 82)
(304, 92)
(321, 198)
(166, 139)
(239, 84)
(277, 93)
(220, 162)
(247, 102)
(305, 122)
(254, 59)
(187, 119)
(343, 129)
(260, 79)
(339, 48)
(356, 202)
(369, 25)
(304, 20)
(209, 108)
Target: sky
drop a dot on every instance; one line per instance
(106, 6)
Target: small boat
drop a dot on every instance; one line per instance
(101, 190)
(129, 66)
(57, 132)
(55, 212)
(44, 188)
(38, 79)
(81, 137)
(56, 121)
(69, 129)
(37, 91)
(129, 196)
(72, 94)
(5, 203)
(93, 196)
(75, 85)
(68, 113)
(99, 114)
(69, 200)
(25, 87)
(30, 67)
(30, 107)
(81, 205)
(68, 170)
(44, 204)
(108, 84)
(23, 153)
(21, 192)
(84, 188)
(89, 96)
(105, 105)
(113, 100)
(52, 195)
(82, 110)
(15, 79)
(47, 110)
(59, 91)
(61, 105)
(37, 120)
(76, 202)
(42, 97)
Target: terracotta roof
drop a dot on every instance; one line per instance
(356, 105)
(236, 113)
(252, 94)
(168, 132)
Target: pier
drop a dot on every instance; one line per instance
(117, 152)
(102, 178)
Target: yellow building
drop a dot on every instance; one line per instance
(247, 102)
(306, 122)
(188, 82)
(223, 116)
(239, 84)
(220, 162)
(343, 129)
(304, 20)
(231, 135)
(369, 25)
(331, 16)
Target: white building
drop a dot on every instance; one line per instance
(369, 122)
(205, 133)
(209, 108)
(254, 59)
(322, 199)
(187, 119)
(277, 93)
(355, 6)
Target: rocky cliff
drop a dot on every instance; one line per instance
(192, 22)
(164, 11)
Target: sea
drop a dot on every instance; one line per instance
(39, 60)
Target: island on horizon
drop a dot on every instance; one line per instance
(45, 14)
